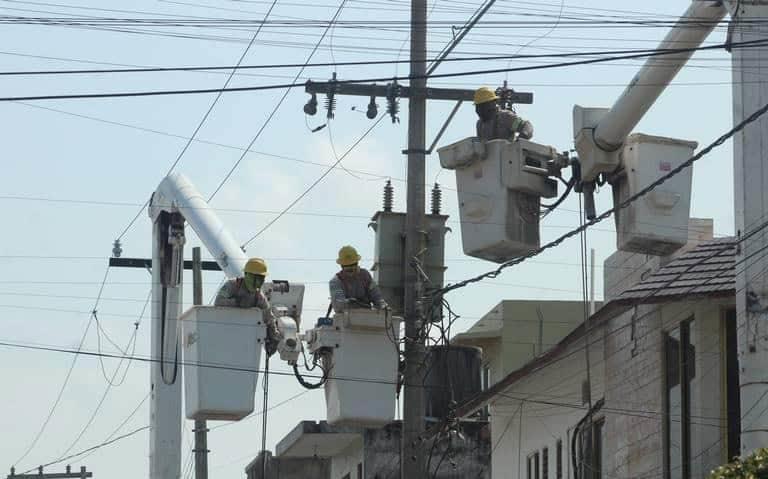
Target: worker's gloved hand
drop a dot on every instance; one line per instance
(273, 338)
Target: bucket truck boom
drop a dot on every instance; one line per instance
(600, 133)
(176, 202)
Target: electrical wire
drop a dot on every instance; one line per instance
(63, 387)
(548, 32)
(117, 429)
(279, 104)
(280, 66)
(626, 203)
(93, 448)
(149, 93)
(205, 116)
(315, 183)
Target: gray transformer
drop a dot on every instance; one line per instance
(389, 263)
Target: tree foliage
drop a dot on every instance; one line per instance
(754, 466)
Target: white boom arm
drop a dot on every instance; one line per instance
(176, 201)
(176, 193)
(600, 133)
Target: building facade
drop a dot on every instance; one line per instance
(647, 388)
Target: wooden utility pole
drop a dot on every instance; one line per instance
(201, 426)
(413, 451)
(413, 462)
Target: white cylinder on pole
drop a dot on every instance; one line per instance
(179, 193)
(657, 73)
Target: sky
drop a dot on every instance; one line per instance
(75, 172)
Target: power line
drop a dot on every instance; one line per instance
(93, 448)
(718, 142)
(657, 53)
(315, 183)
(67, 377)
(206, 115)
(279, 104)
(196, 68)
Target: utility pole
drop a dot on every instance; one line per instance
(750, 91)
(413, 451)
(413, 464)
(81, 474)
(201, 427)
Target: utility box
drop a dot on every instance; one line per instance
(221, 350)
(388, 259)
(362, 382)
(500, 186)
(657, 223)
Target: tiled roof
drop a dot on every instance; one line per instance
(706, 270)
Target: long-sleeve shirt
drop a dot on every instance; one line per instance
(361, 287)
(233, 293)
(504, 126)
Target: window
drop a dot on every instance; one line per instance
(733, 398)
(597, 459)
(545, 463)
(559, 459)
(680, 370)
(529, 467)
(590, 449)
(532, 466)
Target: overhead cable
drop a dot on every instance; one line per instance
(205, 116)
(277, 106)
(655, 53)
(605, 215)
(69, 373)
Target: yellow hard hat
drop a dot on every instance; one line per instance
(256, 266)
(484, 95)
(348, 256)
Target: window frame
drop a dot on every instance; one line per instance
(686, 364)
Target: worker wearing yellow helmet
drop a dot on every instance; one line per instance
(353, 286)
(495, 123)
(245, 292)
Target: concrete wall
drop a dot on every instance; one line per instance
(549, 402)
(288, 468)
(635, 389)
(533, 327)
(634, 372)
(347, 461)
(469, 457)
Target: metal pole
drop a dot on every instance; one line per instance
(165, 401)
(750, 148)
(413, 461)
(592, 281)
(201, 428)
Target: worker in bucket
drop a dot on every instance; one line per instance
(245, 292)
(353, 286)
(495, 123)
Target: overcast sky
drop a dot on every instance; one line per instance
(98, 161)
